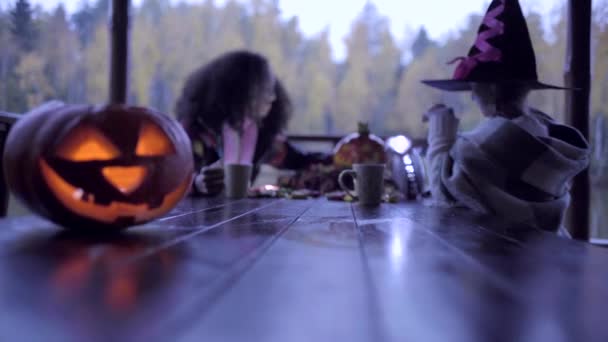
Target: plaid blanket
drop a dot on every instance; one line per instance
(502, 168)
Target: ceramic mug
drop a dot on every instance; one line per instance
(236, 179)
(368, 181)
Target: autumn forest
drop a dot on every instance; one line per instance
(56, 55)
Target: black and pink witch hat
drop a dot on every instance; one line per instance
(502, 53)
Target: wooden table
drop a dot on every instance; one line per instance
(313, 270)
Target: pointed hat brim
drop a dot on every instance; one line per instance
(458, 85)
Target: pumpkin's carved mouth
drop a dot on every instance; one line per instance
(84, 204)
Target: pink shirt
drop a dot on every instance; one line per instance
(239, 148)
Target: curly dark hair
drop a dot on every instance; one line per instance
(223, 91)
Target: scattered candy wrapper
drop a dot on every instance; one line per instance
(389, 197)
(274, 191)
(265, 191)
(393, 197)
(337, 196)
(304, 194)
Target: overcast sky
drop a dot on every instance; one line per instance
(438, 16)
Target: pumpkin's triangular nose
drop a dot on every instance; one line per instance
(125, 178)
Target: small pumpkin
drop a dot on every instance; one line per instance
(98, 167)
(360, 147)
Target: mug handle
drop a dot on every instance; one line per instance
(341, 181)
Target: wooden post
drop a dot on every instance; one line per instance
(119, 32)
(578, 75)
(6, 121)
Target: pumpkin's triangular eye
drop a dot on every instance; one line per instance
(153, 141)
(86, 143)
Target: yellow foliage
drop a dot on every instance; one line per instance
(32, 79)
(97, 64)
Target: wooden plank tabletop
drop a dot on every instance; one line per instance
(312, 270)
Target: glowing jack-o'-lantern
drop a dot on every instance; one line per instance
(98, 167)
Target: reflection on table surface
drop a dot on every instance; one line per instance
(309, 270)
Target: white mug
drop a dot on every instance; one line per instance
(369, 183)
(236, 179)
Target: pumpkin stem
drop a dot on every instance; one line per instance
(363, 128)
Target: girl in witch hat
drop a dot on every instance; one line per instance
(518, 162)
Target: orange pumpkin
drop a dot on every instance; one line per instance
(98, 167)
(360, 147)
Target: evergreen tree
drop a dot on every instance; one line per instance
(84, 21)
(230, 29)
(421, 43)
(313, 94)
(599, 88)
(33, 83)
(153, 10)
(5, 59)
(97, 66)
(266, 36)
(23, 27)
(59, 49)
(160, 93)
(367, 91)
(352, 93)
(88, 17)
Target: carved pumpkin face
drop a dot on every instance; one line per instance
(112, 166)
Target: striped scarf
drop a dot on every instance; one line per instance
(502, 168)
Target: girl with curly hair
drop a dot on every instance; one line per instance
(235, 110)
